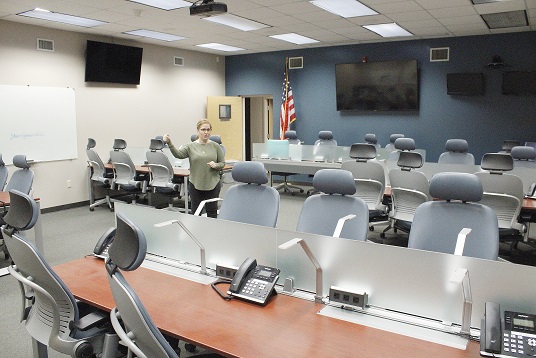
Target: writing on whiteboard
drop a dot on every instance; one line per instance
(26, 135)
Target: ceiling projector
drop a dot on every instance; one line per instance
(207, 8)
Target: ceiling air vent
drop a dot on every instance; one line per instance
(45, 45)
(295, 63)
(439, 54)
(178, 61)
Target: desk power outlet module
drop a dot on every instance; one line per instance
(347, 298)
(225, 271)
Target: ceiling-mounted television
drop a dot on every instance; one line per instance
(465, 84)
(520, 83)
(377, 86)
(106, 62)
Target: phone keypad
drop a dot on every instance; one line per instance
(255, 288)
(517, 344)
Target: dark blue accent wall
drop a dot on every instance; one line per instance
(484, 121)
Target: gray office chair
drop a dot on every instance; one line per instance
(392, 139)
(456, 153)
(130, 318)
(524, 157)
(99, 177)
(292, 138)
(321, 213)
(249, 193)
(503, 193)
(51, 314)
(370, 138)
(437, 224)
(161, 179)
(323, 150)
(369, 178)
(409, 189)
(401, 144)
(22, 178)
(125, 176)
(4, 172)
(508, 144)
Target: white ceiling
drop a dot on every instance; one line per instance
(423, 18)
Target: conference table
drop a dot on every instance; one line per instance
(286, 327)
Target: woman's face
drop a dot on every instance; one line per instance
(204, 132)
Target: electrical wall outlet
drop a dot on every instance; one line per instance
(225, 271)
(348, 298)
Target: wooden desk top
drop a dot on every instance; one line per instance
(286, 326)
(5, 200)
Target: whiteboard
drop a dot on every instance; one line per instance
(39, 122)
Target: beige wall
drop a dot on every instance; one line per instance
(169, 99)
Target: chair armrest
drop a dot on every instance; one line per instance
(202, 205)
(123, 335)
(93, 319)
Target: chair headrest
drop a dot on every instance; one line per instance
(394, 137)
(291, 135)
(193, 137)
(363, 151)
(119, 144)
(215, 138)
(325, 135)
(405, 144)
(91, 143)
(334, 181)
(457, 145)
(156, 144)
(23, 211)
(20, 161)
(509, 144)
(518, 152)
(249, 172)
(497, 162)
(456, 186)
(1, 161)
(371, 138)
(129, 246)
(409, 160)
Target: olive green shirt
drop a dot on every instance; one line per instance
(202, 176)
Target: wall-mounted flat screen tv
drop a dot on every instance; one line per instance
(465, 84)
(520, 83)
(377, 86)
(106, 62)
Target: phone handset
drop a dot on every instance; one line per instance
(101, 248)
(241, 274)
(492, 326)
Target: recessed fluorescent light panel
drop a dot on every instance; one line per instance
(503, 20)
(236, 21)
(57, 17)
(164, 4)
(388, 30)
(155, 35)
(220, 47)
(344, 8)
(295, 39)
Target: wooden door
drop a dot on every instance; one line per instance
(227, 117)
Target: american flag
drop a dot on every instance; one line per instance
(288, 115)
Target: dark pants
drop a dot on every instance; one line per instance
(197, 196)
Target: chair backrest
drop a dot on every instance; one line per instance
(456, 153)
(436, 224)
(392, 139)
(370, 138)
(216, 138)
(292, 137)
(22, 178)
(124, 168)
(127, 253)
(508, 144)
(3, 173)
(524, 156)
(401, 144)
(320, 213)
(250, 193)
(409, 188)
(99, 171)
(502, 192)
(325, 138)
(54, 306)
(160, 168)
(369, 176)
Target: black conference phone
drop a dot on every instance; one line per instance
(101, 248)
(254, 282)
(512, 336)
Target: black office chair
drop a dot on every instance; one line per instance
(99, 176)
(51, 314)
(125, 176)
(130, 319)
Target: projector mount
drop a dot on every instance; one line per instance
(207, 8)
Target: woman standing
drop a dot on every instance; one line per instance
(206, 161)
